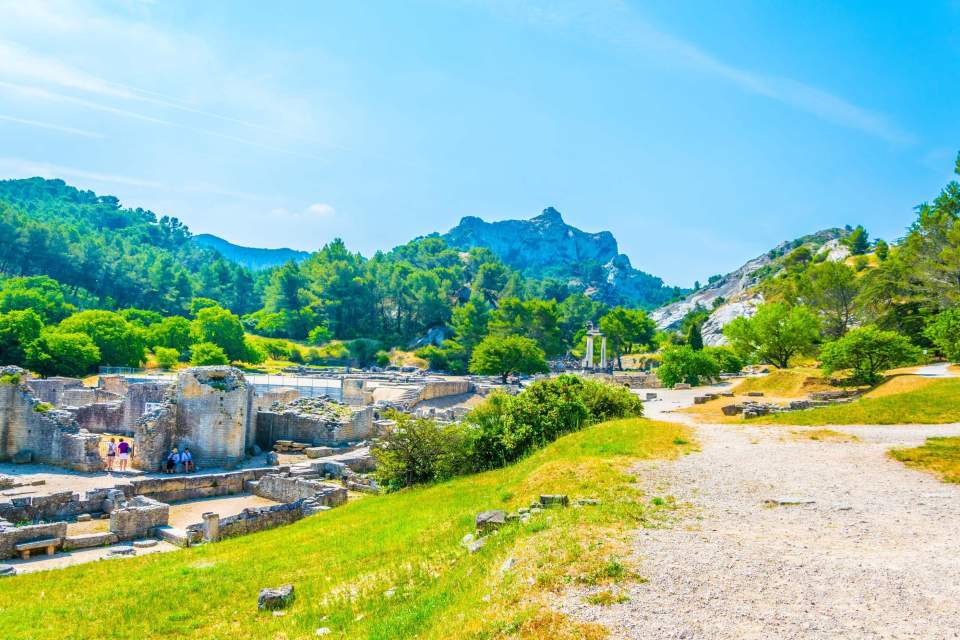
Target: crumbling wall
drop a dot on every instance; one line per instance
(30, 430)
(443, 388)
(209, 410)
(266, 399)
(313, 421)
(53, 506)
(50, 390)
(138, 517)
(206, 485)
(255, 519)
(285, 489)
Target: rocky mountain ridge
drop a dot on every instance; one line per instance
(737, 293)
(547, 247)
(253, 258)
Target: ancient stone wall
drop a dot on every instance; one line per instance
(266, 399)
(49, 390)
(28, 426)
(192, 487)
(256, 519)
(11, 536)
(63, 505)
(209, 410)
(100, 417)
(322, 429)
(443, 388)
(284, 489)
(138, 517)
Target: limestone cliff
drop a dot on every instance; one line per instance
(545, 246)
(737, 293)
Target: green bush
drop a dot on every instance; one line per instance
(417, 450)
(58, 353)
(382, 358)
(727, 359)
(684, 364)
(944, 332)
(867, 352)
(207, 353)
(166, 358)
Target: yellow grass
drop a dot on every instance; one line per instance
(940, 456)
(400, 358)
(823, 435)
(899, 384)
(787, 383)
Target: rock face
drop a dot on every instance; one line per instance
(209, 410)
(735, 294)
(547, 246)
(31, 430)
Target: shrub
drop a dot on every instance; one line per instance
(363, 351)
(418, 450)
(207, 353)
(684, 364)
(867, 351)
(382, 358)
(504, 355)
(727, 359)
(166, 358)
(58, 353)
(121, 344)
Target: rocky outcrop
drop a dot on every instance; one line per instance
(736, 294)
(546, 246)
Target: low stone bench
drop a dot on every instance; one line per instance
(50, 544)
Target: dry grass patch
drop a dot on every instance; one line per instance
(899, 384)
(940, 456)
(787, 383)
(823, 435)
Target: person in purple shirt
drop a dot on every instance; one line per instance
(123, 453)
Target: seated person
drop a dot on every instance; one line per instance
(173, 461)
(187, 459)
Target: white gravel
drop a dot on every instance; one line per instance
(875, 555)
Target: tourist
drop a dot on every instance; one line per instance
(123, 450)
(187, 459)
(173, 460)
(111, 453)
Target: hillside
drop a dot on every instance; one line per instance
(546, 247)
(737, 293)
(388, 566)
(252, 258)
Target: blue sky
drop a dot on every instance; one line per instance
(699, 133)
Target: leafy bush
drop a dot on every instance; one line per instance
(868, 351)
(363, 351)
(382, 358)
(684, 364)
(450, 357)
(166, 358)
(418, 450)
(501, 356)
(121, 344)
(207, 353)
(726, 357)
(60, 353)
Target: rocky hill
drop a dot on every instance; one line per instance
(737, 293)
(253, 258)
(546, 247)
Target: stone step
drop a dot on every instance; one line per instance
(89, 540)
(174, 536)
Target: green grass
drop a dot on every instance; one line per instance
(940, 456)
(934, 403)
(344, 562)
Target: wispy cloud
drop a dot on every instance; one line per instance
(51, 126)
(616, 23)
(313, 211)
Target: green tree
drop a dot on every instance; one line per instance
(166, 358)
(504, 355)
(40, 293)
(364, 351)
(173, 332)
(627, 330)
(832, 288)
(535, 319)
(944, 332)
(17, 330)
(417, 450)
(684, 364)
(469, 322)
(121, 344)
(867, 352)
(695, 337)
(882, 249)
(775, 334)
(222, 328)
(207, 353)
(727, 359)
(60, 353)
(858, 241)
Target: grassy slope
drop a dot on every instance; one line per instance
(344, 561)
(937, 402)
(786, 383)
(937, 455)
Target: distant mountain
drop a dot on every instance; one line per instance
(737, 293)
(253, 258)
(546, 247)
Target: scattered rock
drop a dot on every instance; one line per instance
(554, 500)
(122, 551)
(7, 570)
(84, 517)
(490, 520)
(467, 539)
(507, 565)
(322, 631)
(755, 394)
(145, 543)
(273, 459)
(389, 593)
(275, 598)
(476, 545)
(790, 501)
(587, 502)
(732, 409)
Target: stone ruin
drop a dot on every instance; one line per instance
(209, 410)
(31, 430)
(313, 421)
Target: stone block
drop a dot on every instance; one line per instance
(138, 517)
(554, 500)
(490, 520)
(89, 540)
(275, 598)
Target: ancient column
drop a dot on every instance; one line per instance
(588, 357)
(211, 527)
(603, 352)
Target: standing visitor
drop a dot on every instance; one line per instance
(123, 450)
(111, 453)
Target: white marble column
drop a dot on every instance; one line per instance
(588, 356)
(603, 352)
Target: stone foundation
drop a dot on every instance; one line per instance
(138, 517)
(282, 489)
(10, 535)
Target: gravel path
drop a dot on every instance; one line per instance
(874, 556)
